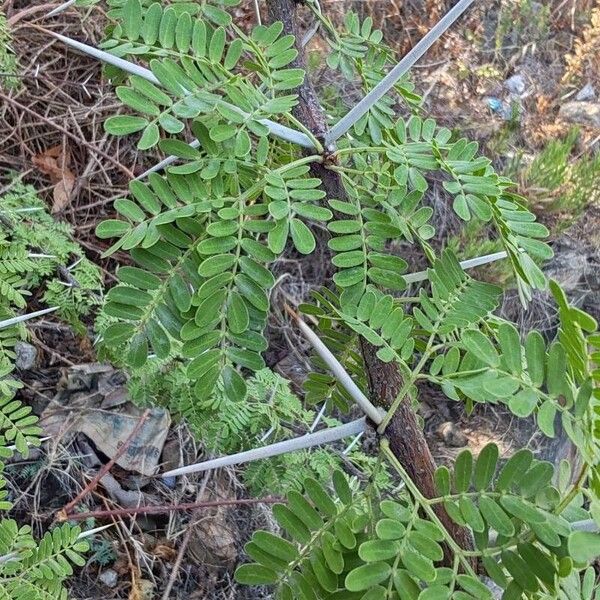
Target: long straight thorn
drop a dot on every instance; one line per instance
(325, 436)
(281, 131)
(384, 86)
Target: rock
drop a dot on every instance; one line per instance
(451, 435)
(26, 355)
(587, 92)
(581, 113)
(109, 578)
(216, 535)
(515, 84)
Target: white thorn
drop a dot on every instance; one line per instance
(165, 162)
(60, 8)
(353, 443)
(280, 131)
(402, 67)
(21, 318)
(375, 414)
(44, 439)
(267, 433)
(30, 209)
(90, 532)
(318, 418)
(84, 534)
(309, 440)
(465, 264)
(74, 264)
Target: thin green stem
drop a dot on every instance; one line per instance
(575, 489)
(409, 382)
(318, 146)
(354, 149)
(414, 490)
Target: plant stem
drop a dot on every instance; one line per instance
(158, 510)
(575, 488)
(418, 496)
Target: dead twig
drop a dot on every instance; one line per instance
(12, 21)
(159, 509)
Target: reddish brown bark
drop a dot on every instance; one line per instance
(406, 438)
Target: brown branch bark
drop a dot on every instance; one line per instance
(160, 509)
(406, 438)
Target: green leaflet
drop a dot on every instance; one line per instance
(203, 237)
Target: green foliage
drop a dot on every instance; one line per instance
(204, 234)
(37, 255)
(270, 412)
(523, 24)
(342, 539)
(560, 183)
(33, 251)
(189, 317)
(8, 61)
(102, 552)
(30, 569)
(473, 239)
(37, 570)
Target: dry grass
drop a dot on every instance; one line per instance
(61, 104)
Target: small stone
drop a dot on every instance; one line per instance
(26, 355)
(109, 578)
(451, 435)
(515, 84)
(587, 92)
(582, 113)
(170, 482)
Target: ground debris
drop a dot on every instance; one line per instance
(587, 92)
(451, 435)
(81, 406)
(581, 113)
(108, 578)
(26, 355)
(55, 163)
(214, 542)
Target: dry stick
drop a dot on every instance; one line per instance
(159, 510)
(60, 128)
(28, 11)
(63, 514)
(407, 440)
